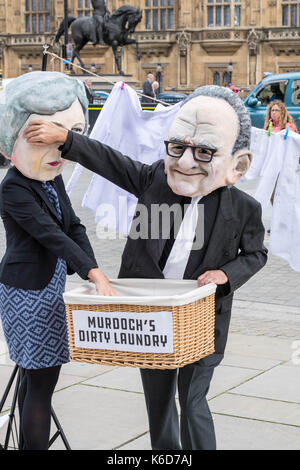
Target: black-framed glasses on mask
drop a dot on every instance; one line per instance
(201, 153)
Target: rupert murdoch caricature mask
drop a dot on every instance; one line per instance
(208, 142)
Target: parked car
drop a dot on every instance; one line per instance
(284, 86)
(96, 106)
(171, 97)
(103, 95)
(167, 97)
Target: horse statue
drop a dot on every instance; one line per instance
(116, 29)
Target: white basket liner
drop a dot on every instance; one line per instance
(159, 292)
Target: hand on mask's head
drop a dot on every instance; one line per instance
(210, 125)
(45, 163)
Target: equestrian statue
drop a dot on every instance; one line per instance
(103, 28)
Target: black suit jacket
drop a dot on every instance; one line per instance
(236, 243)
(36, 237)
(147, 90)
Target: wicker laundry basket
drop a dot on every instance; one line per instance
(190, 314)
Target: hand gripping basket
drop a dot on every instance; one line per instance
(151, 324)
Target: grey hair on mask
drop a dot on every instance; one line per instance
(214, 91)
(42, 93)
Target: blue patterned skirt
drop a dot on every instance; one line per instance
(34, 322)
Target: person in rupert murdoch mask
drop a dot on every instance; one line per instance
(207, 151)
(45, 241)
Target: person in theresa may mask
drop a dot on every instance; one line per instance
(45, 241)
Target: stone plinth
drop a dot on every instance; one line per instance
(106, 82)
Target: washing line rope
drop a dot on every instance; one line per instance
(55, 56)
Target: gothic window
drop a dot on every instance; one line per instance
(223, 13)
(160, 14)
(84, 8)
(37, 16)
(226, 77)
(216, 78)
(290, 12)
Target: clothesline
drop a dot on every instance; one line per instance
(55, 56)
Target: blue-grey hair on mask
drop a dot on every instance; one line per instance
(36, 93)
(214, 91)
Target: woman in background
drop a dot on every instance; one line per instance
(278, 116)
(155, 87)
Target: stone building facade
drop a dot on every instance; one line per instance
(195, 42)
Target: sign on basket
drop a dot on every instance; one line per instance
(124, 331)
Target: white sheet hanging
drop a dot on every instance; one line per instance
(285, 223)
(124, 126)
(272, 156)
(270, 169)
(259, 146)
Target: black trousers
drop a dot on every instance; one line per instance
(196, 430)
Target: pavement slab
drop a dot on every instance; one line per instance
(234, 433)
(98, 418)
(273, 411)
(226, 377)
(122, 378)
(280, 383)
(260, 346)
(248, 362)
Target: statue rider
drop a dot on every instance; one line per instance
(100, 14)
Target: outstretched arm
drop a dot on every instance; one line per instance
(131, 175)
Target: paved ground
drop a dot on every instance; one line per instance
(254, 394)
